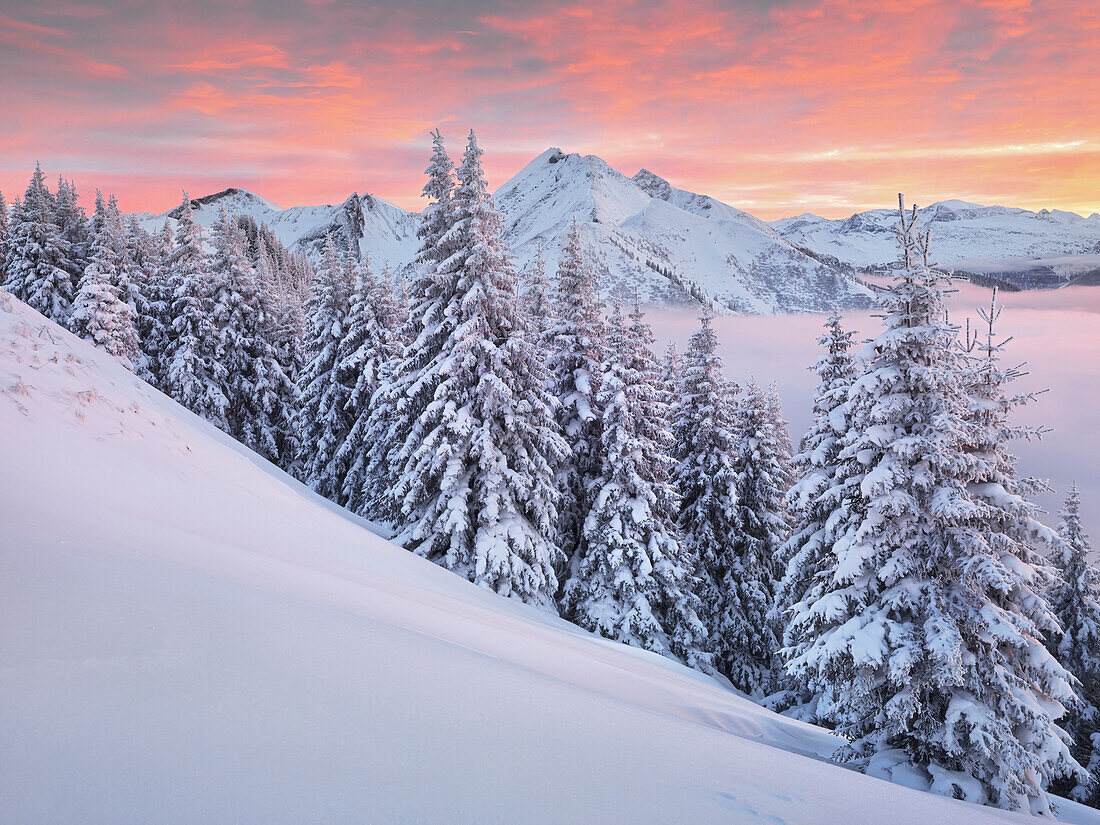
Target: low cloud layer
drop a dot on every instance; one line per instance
(1056, 335)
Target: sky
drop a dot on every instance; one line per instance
(776, 106)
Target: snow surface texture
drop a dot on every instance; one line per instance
(642, 235)
(1022, 248)
(188, 635)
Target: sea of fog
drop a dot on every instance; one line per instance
(1057, 334)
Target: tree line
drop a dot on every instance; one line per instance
(890, 579)
(211, 318)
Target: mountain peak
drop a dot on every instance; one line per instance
(653, 185)
(235, 201)
(554, 155)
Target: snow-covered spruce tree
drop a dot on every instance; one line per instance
(38, 254)
(670, 374)
(72, 223)
(102, 317)
(575, 353)
(323, 422)
(746, 642)
(259, 394)
(99, 313)
(1076, 602)
(233, 305)
(476, 481)
(537, 302)
(128, 278)
(366, 354)
(155, 330)
(281, 321)
(192, 373)
(705, 476)
(395, 304)
(630, 580)
(922, 636)
(401, 298)
(147, 296)
(284, 307)
(5, 230)
(396, 408)
(1010, 525)
(126, 274)
(782, 433)
(815, 496)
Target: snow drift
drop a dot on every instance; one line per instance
(188, 635)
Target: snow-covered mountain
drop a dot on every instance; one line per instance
(671, 246)
(644, 237)
(1027, 249)
(376, 227)
(188, 635)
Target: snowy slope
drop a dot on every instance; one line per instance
(702, 205)
(187, 635)
(1027, 248)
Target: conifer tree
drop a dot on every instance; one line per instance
(427, 329)
(260, 398)
(72, 223)
(630, 580)
(5, 231)
(323, 422)
(814, 496)
(746, 640)
(576, 353)
(191, 370)
(1009, 522)
(1076, 602)
(367, 353)
(284, 307)
(394, 302)
(146, 295)
(38, 254)
(671, 377)
(101, 317)
(538, 301)
(127, 279)
(476, 486)
(782, 434)
(922, 635)
(401, 294)
(99, 313)
(155, 330)
(704, 474)
(233, 305)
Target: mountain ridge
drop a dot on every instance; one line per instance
(699, 249)
(1021, 248)
(644, 238)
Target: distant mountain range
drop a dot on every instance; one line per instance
(1022, 249)
(673, 247)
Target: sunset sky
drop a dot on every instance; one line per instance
(829, 106)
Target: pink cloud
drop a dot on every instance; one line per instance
(824, 105)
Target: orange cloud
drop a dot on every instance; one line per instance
(230, 56)
(823, 105)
